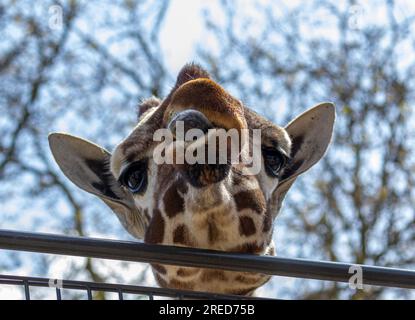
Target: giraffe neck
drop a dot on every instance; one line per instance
(228, 216)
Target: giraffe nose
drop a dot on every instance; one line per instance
(197, 174)
(189, 119)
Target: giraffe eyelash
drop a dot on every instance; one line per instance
(274, 160)
(134, 176)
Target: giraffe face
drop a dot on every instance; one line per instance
(202, 104)
(205, 205)
(199, 104)
(134, 185)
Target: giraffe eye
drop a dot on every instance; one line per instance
(134, 178)
(274, 161)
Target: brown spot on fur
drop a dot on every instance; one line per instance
(251, 247)
(187, 272)
(246, 226)
(181, 235)
(243, 292)
(177, 284)
(173, 201)
(159, 268)
(209, 275)
(254, 278)
(182, 186)
(267, 223)
(250, 199)
(236, 178)
(155, 231)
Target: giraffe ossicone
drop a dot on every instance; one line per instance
(199, 198)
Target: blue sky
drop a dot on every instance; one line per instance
(184, 24)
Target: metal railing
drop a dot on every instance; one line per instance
(139, 292)
(187, 257)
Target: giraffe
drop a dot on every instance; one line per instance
(198, 205)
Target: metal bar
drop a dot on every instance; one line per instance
(190, 257)
(26, 290)
(116, 287)
(58, 294)
(89, 292)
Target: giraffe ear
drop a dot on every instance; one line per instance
(310, 134)
(87, 166)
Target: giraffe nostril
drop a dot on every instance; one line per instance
(202, 175)
(189, 119)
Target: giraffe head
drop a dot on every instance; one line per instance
(165, 203)
(208, 204)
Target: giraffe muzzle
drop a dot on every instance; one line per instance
(202, 173)
(203, 105)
